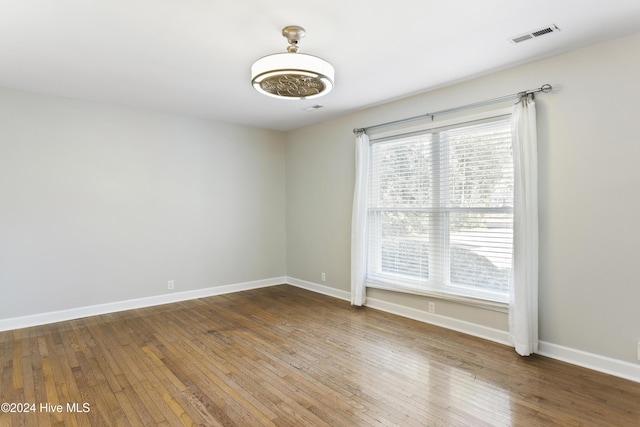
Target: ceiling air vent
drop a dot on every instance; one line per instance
(533, 34)
(313, 108)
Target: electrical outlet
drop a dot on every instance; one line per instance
(432, 307)
(323, 277)
(170, 284)
(638, 350)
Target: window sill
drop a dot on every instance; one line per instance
(501, 307)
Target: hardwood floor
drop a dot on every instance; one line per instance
(285, 356)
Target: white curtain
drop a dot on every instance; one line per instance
(523, 304)
(359, 222)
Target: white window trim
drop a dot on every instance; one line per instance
(474, 302)
(417, 289)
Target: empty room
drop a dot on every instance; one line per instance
(409, 213)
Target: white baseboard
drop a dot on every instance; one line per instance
(468, 328)
(491, 334)
(94, 310)
(592, 361)
(321, 289)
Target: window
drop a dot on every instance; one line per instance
(440, 210)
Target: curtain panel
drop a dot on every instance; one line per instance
(523, 304)
(359, 222)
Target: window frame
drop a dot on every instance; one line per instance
(413, 286)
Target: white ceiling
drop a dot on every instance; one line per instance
(193, 57)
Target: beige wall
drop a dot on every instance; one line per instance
(589, 198)
(102, 204)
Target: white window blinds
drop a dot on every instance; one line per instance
(440, 210)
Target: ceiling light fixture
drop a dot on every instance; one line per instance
(292, 75)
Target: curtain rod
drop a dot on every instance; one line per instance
(546, 88)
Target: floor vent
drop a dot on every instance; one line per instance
(533, 34)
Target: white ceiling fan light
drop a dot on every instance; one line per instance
(292, 75)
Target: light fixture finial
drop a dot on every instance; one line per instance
(293, 34)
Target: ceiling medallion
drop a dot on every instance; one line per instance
(292, 75)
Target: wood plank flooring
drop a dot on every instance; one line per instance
(288, 357)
